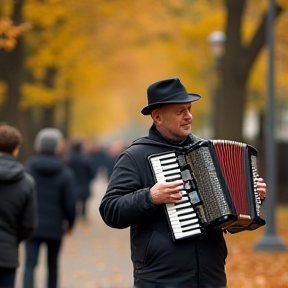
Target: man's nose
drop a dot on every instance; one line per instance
(188, 114)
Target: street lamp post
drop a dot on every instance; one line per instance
(216, 40)
(270, 241)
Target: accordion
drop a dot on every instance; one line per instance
(219, 187)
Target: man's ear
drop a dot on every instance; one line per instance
(156, 116)
(15, 152)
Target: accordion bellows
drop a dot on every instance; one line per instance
(219, 187)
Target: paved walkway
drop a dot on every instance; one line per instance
(94, 256)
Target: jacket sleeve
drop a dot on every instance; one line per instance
(126, 202)
(28, 219)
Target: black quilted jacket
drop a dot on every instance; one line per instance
(17, 209)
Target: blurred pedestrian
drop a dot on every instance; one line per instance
(98, 156)
(56, 204)
(116, 148)
(83, 169)
(17, 204)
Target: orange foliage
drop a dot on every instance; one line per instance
(10, 32)
(247, 268)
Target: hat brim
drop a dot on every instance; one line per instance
(189, 98)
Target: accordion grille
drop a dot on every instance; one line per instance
(208, 183)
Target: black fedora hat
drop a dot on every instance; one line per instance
(167, 91)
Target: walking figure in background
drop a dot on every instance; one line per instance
(84, 172)
(17, 204)
(115, 149)
(98, 156)
(56, 205)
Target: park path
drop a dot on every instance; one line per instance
(96, 256)
(93, 256)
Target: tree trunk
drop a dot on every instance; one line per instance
(12, 73)
(237, 64)
(229, 116)
(48, 115)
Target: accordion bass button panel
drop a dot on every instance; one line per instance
(183, 219)
(255, 176)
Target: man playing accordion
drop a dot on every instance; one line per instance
(134, 199)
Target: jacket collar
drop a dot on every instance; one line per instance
(154, 134)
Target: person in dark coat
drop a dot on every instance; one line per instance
(134, 200)
(83, 168)
(56, 205)
(98, 156)
(112, 155)
(18, 217)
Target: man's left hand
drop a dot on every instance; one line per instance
(261, 188)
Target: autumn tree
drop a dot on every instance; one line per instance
(238, 61)
(93, 60)
(12, 66)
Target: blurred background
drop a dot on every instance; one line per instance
(84, 68)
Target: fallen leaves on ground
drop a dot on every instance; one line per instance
(248, 268)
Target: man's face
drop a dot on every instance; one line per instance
(173, 120)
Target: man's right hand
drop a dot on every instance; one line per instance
(167, 192)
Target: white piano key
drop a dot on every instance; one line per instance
(173, 177)
(177, 223)
(176, 226)
(170, 205)
(183, 199)
(183, 217)
(182, 211)
(164, 161)
(156, 163)
(169, 167)
(179, 228)
(190, 221)
(188, 208)
(174, 171)
(178, 206)
(168, 161)
(181, 223)
(163, 156)
(189, 233)
(194, 226)
(169, 176)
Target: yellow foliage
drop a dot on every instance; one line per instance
(35, 95)
(106, 53)
(165, 53)
(283, 3)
